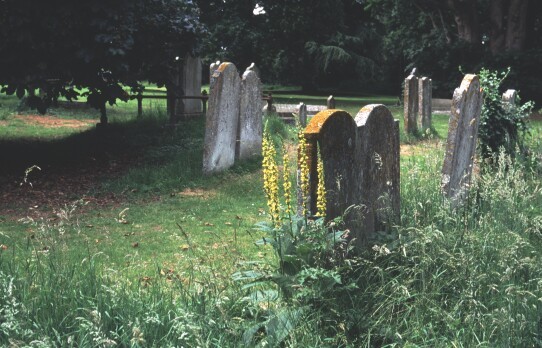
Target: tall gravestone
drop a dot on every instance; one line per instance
(509, 99)
(410, 104)
(462, 136)
(378, 166)
(361, 167)
(250, 116)
(425, 96)
(191, 83)
(222, 119)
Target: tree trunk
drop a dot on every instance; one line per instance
(466, 18)
(497, 30)
(516, 28)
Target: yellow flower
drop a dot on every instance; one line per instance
(286, 184)
(303, 165)
(271, 178)
(321, 190)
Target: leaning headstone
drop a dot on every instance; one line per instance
(425, 96)
(509, 99)
(222, 120)
(302, 114)
(410, 103)
(191, 83)
(334, 132)
(378, 170)
(462, 135)
(250, 116)
(331, 102)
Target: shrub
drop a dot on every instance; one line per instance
(500, 126)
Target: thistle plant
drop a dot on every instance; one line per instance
(321, 189)
(271, 178)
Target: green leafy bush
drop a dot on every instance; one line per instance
(500, 126)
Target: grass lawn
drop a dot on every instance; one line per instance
(120, 233)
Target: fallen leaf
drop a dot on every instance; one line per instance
(228, 223)
(135, 245)
(185, 247)
(3, 247)
(208, 224)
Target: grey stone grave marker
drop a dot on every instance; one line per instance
(222, 120)
(302, 114)
(462, 137)
(191, 83)
(509, 99)
(378, 166)
(410, 103)
(250, 116)
(425, 96)
(331, 102)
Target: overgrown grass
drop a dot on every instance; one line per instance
(155, 269)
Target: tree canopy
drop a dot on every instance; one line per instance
(372, 44)
(63, 47)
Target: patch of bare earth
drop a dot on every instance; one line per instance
(197, 192)
(49, 121)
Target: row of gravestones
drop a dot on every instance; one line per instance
(417, 103)
(233, 124)
(361, 158)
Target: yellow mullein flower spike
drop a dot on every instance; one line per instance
(286, 184)
(303, 169)
(271, 178)
(321, 189)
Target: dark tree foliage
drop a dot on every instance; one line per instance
(62, 46)
(312, 43)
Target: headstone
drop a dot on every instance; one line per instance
(212, 69)
(331, 102)
(302, 114)
(509, 99)
(254, 68)
(410, 103)
(335, 133)
(462, 135)
(378, 168)
(425, 96)
(361, 168)
(250, 116)
(191, 83)
(222, 120)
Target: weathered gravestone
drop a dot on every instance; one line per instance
(425, 96)
(361, 167)
(222, 120)
(331, 102)
(190, 82)
(378, 168)
(250, 116)
(254, 68)
(509, 99)
(462, 137)
(334, 132)
(212, 69)
(410, 104)
(302, 114)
